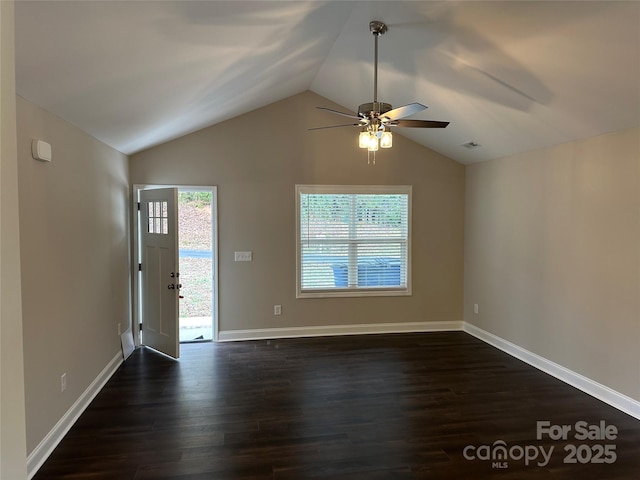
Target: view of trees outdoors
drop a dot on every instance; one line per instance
(342, 232)
(194, 243)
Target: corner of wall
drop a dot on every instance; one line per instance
(12, 400)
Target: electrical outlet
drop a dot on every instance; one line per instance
(475, 309)
(63, 382)
(277, 309)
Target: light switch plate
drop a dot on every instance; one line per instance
(243, 256)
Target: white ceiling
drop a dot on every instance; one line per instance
(511, 76)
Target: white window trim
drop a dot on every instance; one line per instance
(353, 189)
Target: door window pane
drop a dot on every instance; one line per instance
(158, 218)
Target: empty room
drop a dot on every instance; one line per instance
(320, 240)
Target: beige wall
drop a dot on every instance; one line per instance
(257, 159)
(552, 255)
(74, 217)
(12, 414)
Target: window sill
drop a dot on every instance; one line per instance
(368, 292)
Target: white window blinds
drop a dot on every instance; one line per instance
(353, 239)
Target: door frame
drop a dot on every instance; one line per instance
(136, 314)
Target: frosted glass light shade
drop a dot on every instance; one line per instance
(373, 143)
(386, 140)
(363, 140)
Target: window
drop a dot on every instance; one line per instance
(353, 240)
(158, 219)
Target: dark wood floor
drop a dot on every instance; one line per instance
(356, 407)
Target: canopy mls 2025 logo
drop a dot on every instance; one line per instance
(499, 453)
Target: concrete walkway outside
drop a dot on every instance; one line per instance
(192, 328)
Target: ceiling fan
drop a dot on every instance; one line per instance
(375, 119)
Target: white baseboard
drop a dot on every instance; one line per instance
(57, 433)
(332, 330)
(616, 399)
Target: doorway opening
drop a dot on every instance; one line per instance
(195, 254)
(196, 265)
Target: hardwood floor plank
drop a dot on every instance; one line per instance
(372, 407)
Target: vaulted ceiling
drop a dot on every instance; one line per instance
(510, 76)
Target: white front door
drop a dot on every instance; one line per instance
(160, 279)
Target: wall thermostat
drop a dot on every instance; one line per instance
(41, 150)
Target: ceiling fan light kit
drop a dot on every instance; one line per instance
(375, 119)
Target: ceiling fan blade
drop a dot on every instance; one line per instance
(350, 115)
(337, 126)
(418, 124)
(404, 111)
